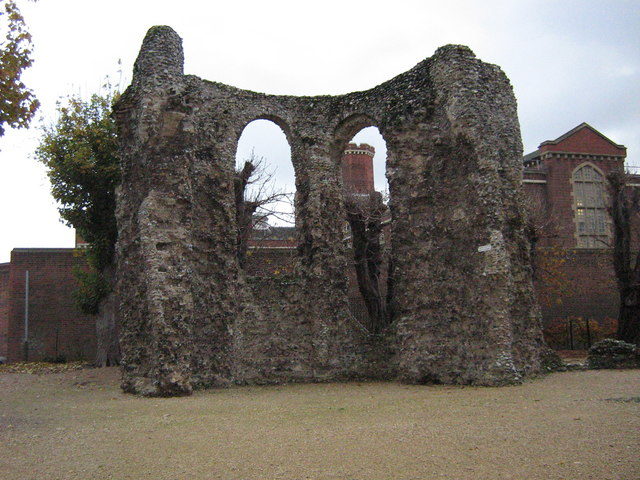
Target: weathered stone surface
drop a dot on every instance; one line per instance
(463, 301)
(611, 353)
(550, 361)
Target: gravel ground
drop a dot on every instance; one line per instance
(78, 425)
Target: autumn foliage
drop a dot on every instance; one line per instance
(18, 104)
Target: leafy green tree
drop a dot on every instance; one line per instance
(81, 155)
(18, 105)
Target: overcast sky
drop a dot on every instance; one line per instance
(569, 62)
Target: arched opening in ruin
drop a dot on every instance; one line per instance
(363, 153)
(264, 193)
(372, 136)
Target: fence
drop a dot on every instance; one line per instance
(576, 333)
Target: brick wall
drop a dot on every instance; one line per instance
(583, 284)
(268, 262)
(4, 307)
(56, 325)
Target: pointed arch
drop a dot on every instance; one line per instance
(593, 225)
(587, 164)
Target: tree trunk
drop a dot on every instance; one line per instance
(244, 228)
(390, 294)
(107, 331)
(244, 211)
(624, 202)
(628, 324)
(365, 220)
(629, 316)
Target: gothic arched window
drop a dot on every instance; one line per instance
(592, 230)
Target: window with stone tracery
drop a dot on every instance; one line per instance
(591, 218)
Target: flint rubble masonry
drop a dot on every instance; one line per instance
(191, 319)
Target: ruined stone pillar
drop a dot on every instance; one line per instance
(320, 219)
(459, 250)
(175, 251)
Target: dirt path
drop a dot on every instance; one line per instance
(78, 425)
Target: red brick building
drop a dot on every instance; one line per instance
(566, 182)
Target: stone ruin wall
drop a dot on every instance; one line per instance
(463, 300)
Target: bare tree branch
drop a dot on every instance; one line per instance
(256, 201)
